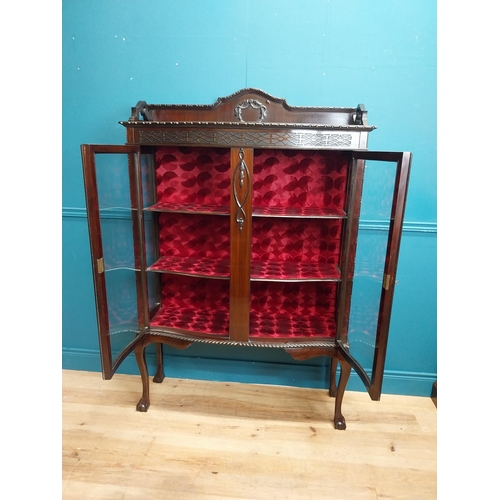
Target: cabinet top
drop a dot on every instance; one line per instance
(248, 108)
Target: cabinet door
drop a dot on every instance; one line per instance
(378, 196)
(113, 189)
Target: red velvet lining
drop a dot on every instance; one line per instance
(269, 270)
(193, 175)
(328, 212)
(285, 181)
(274, 270)
(197, 266)
(189, 208)
(291, 178)
(277, 310)
(299, 240)
(194, 236)
(194, 304)
(292, 309)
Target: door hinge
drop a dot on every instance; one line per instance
(387, 281)
(100, 265)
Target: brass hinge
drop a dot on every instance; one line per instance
(387, 281)
(100, 265)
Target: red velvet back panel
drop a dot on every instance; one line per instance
(281, 178)
(192, 235)
(195, 304)
(299, 240)
(288, 178)
(193, 175)
(281, 309)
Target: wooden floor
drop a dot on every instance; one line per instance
(216, 440)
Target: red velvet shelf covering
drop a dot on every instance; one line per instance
(288, 324)
(299, 212)
(292, 309)
(259, 270)
(194, 304)
(285, 212)
(192, 319)
(277, 309)
(193, 266)
(188, 208)
(293, 271)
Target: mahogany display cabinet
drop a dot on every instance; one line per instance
(247, 222)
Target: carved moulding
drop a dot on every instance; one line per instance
(271, 138)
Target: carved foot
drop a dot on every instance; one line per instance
(339, 423)
(142, 405)
(159, 377)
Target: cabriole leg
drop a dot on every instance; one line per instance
(160, 374)
(140, 356)
(338, 418)
(332, 391)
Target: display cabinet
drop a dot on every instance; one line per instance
(247, 222)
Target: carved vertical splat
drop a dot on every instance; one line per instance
(241, 238)
(240, 175)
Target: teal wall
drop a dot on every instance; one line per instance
(311, 52)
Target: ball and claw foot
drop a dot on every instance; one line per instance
(142, 406)
(339, 423)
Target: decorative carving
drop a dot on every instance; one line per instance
(241, 172)
(250, 103)
(286, 344)
(310, 139)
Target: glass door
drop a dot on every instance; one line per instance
(113, 189)
(379, 184)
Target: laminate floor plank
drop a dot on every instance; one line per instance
(217, 440)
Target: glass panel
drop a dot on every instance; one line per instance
(150, 232)
(121, 275)
(153, 280)
(369, 267)
(113, 183)
(148, 179)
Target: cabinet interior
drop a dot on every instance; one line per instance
(298, 211)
